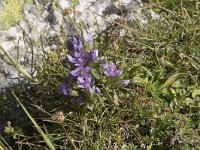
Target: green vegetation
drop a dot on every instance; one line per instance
(158, 110)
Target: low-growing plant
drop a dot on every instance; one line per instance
(83, 101)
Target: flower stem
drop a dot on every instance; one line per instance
(68, 137)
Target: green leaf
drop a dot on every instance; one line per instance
(18, 67)
(96, 73)
(149, 147)
(172, 79)
(139, 81)
(195, 92)
(188, 101)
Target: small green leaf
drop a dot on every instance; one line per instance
(173, 91)
(172, 104)
(95, 73)
(90, 107)
(172, 79)
(195, 92)
(149, 147)
(140, 81)
(188, 101)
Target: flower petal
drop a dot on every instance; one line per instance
(87, 69)
(117, 72)
(65, 89)
(71, 59)
(97, 90)
(76, 54)
(78, 46)
(125, 82)
(105, 65)
(69, 45)
(81, 86)
(77, 71)
(87, 37)
(75, 39)
(80, 80)
(106, 73)
(80, 100)
(113, 67)
(92, 56)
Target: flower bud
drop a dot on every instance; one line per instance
(87, 40)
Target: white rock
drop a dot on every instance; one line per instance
(64, 4)
(154, 16)
(1, 6)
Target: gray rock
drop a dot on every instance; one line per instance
(97, 15)
(44, 2)
(1, 6)
(64, 4)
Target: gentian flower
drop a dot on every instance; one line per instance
(111, 70)
(87, 40)
(97, 90)
(92, 56)
(80, 100)
(69, 45)
(77, 44)
(87, 37)
(79, 59)
(94, 89)
(65, 89)
(80, 71)
(85, 82)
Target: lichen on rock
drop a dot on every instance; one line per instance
(12, 12)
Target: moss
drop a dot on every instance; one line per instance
(29, 1)
(12, 12)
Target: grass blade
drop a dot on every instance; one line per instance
(18, 67)
(4, 145)
(46, 139)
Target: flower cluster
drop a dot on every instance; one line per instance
(80, 61)
(82, 58)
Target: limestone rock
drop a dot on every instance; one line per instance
(1, 6)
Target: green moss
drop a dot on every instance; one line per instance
(29, 1)
(12, 12)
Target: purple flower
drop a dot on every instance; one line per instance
(70, 45)
(80, 71)
(111, 70)
(80, 100)
(77, 44)
(87, 37)
(97, 90)
(92, 56)
(79, 59)
(125, 82)
(85, 82)
(87, 40)
(65, 89)
(94, 89)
